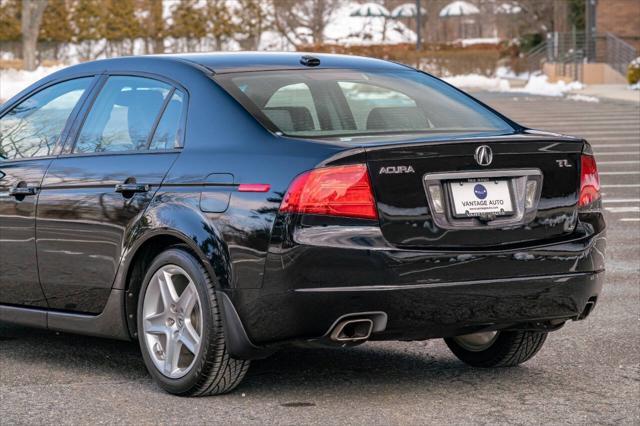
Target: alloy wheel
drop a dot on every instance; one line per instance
(172, 321)
(477, 342)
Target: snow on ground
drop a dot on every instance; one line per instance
(506, 72)
(464, 42)
(539, 85)
(13, 81)
(583, 98)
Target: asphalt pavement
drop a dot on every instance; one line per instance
(587, 372)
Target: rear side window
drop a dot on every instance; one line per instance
(123, 115)
(371, 105)
(33, 127)
(168, 132)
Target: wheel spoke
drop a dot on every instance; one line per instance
(172, 353)
(167, 289)
(189, 338)
(188, 299)
(155, 324)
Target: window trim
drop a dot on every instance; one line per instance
(225, 83)
(69, 146)
(154, 127)
(116, 153)
(8, 106)
(66, 130)
(251, 108)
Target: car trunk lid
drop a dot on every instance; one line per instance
(401, 175)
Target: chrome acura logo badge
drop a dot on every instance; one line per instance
(395, 170)
(483, 155)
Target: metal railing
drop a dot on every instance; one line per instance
(536, 57)
(565, 45)
(566, 50)
(619, 53)
(571, 65)
(569, 52)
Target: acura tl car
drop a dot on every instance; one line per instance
(219, 207)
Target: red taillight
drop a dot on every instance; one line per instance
(589, 181)
(332, 191)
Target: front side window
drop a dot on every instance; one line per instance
(33, 127)
(368, 105)
(123, 115)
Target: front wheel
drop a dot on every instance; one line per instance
(180, 329)
(496, 348)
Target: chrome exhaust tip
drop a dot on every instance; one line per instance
(352, 330)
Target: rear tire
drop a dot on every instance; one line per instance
(506, 349)
(191, 327)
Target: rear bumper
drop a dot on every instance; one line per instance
(423, 294)
(449, 309)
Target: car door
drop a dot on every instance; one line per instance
(93, 193)
(30, 135)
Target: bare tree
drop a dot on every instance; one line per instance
(251, 20)
(303, 21)
(32, 11)
(539, 14)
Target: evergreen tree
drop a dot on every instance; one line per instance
(10, 20)
(55, 30)
(55, 26)
(189, 24)
(152, 25)
(251, 20)
(220, 24)
(88, 19)
(577, 17)
(121, 26)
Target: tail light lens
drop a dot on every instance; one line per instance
(333, 191)
(589, 181)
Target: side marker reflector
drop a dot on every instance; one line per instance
(254, 187)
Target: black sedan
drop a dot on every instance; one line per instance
(218, 207)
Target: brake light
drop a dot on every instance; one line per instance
(333, 191)
(589, 181)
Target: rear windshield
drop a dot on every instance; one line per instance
(349, 104)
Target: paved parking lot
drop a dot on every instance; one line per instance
(588, 372)
(613, 129)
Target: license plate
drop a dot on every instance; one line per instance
(486, 198)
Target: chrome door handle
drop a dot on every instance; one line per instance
(131, 187)
(23, 191)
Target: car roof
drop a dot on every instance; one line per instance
(221, 62)
(218, 62)
(225, 62)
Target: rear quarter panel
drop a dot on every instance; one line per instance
(223, 139)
